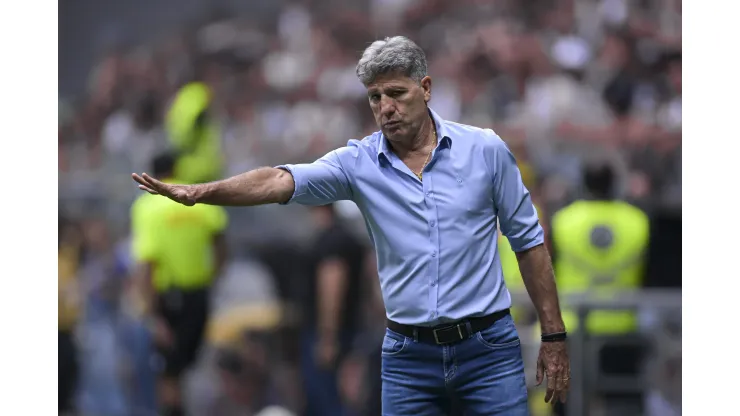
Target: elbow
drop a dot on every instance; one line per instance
(282, 186)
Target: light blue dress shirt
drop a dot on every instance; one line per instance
(436, 239)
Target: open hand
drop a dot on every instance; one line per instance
(553, 363)
(182, 194)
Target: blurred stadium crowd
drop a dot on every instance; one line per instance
(562, 81)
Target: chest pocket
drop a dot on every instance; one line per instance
(472, 193)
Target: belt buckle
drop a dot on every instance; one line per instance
(459, 332)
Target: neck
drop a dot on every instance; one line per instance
(417, 143)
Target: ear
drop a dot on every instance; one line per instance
(426, 85)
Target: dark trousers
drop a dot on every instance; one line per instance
(320, 385)
(68, 371)
(186, 313)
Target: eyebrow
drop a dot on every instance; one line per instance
(392, 88)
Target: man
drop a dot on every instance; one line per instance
(180, 251)
(431, 192)
(332, 315)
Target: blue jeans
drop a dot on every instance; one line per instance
(142, 393)
(482, 375)
(101, 391)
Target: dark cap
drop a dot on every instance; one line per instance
(163, 165)
(598, 178)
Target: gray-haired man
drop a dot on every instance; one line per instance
(431, 192)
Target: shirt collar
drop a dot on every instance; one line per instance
(442, 134)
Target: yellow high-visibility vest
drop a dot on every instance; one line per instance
(199, 159)
(177, 240)
(599, 248)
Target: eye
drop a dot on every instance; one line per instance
(374, 98)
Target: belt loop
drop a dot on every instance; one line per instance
(416, 334)
(469, 328)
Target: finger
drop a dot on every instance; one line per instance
(151, 191)
(145, 185)
(154, 182)
(540, 372)
(559, 383)
(149, 182)
(548, 395)
(564, 396)
(139, 179)
(552, 386)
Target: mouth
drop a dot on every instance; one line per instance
(392, 124)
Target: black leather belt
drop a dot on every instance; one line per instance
(450, 332)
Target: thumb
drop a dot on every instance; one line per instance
(540, 371)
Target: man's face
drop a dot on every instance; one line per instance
(399, 104)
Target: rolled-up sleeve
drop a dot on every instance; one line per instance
(516, 213)
(323, 181)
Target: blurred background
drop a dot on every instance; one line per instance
(234, 85)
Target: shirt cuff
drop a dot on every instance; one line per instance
(525, 243)
(300, 185)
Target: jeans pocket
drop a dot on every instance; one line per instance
(393, 344)
(500, 335)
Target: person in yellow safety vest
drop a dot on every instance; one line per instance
(599, 247)
(194, 135)
(180, 250)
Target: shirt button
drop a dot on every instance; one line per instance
(434, 284)
(431, 223)
(434, 254)
(429, 194)
(459, 179)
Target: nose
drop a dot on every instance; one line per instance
(387, 106)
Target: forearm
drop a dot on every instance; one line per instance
(221, 252)
(257, 187)
(144, 289)
(332, 283)
(536, 269)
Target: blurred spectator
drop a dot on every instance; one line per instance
(69, 253)
(180, 251)
(248, 366)
(248, 375)
(194, 134)
(599, 246)
(101, 277)
(333, 312)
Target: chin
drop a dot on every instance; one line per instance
(394, 134)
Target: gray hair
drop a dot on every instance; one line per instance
(396, 54)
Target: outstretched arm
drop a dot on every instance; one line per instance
(256, 187)
(318, 183)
